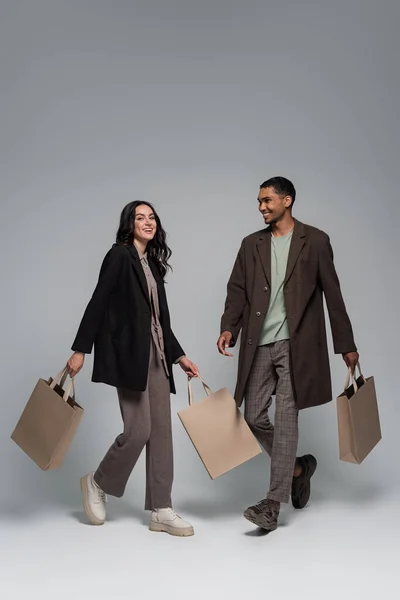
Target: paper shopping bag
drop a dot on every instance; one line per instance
(218, 431)
(358, 418)
(48, 422)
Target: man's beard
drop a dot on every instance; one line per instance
(272, 222)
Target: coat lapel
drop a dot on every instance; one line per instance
(264, 252)
(296, 246)
(156, 274)
(158, 278)
(139, 272)
(162, 300)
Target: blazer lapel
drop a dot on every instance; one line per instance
(264, 252)
(296, 246)
(139, 272)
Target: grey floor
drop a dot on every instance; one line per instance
(341, 546)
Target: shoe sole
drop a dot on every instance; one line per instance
(259, 521)
(299, 500)
(86, 506)
(161, 528)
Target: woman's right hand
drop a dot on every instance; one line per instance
(75, 363)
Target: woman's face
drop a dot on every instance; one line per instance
(145, 224)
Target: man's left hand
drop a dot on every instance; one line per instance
(351, 359)
(189, 367)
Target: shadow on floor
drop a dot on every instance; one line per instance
(116, 510)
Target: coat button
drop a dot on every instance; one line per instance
(265, 289)
(250, 342)
(258, 313)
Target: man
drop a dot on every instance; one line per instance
(275, 297)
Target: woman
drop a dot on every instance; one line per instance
(127, 320)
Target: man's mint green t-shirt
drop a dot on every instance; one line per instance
(275, 327)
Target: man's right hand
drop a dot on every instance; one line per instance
(75, 363)
(224, 341)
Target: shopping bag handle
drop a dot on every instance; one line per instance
(60, 379)
(350, 376)
(207, 389)
(70, 388)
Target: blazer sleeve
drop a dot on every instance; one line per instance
(235, 299)
(108, 278)
(342, 332)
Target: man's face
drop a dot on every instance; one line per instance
(272, 206)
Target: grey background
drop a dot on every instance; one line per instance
(191, 105)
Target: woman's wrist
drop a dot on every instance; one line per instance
(179, 359)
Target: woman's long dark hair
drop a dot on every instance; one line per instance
(157, 248)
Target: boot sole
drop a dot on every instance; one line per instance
(260, 521)
(161, 528)
(86, 507)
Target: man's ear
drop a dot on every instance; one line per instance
(288, 201)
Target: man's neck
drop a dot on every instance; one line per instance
(282, 227)
(141, 247)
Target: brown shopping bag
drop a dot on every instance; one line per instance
(48, 422)
(218, 431)
(358, 418)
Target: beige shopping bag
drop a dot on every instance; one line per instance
(49, 421)
(218, 431)
(358, 418)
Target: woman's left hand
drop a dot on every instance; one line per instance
(189, 367)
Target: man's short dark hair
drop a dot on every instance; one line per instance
(282, 186)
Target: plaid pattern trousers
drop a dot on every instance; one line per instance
(271, 374)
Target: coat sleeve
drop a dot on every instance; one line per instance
(342, 332)
(235, 299)
(177, 351)
(95, 310)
